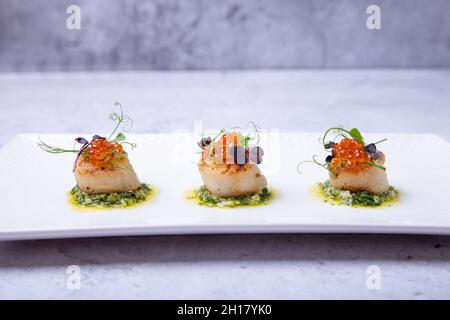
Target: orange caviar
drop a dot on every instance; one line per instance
(221, 150)
(102, 153)
(349, 155)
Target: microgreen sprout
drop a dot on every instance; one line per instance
(314, 160)
(354, 134)
(385, 139)
(247, 142)
(351, 134)
(121, 119)
(254, 134)
(55, 150)
(131, 144)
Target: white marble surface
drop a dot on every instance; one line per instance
(246, 266)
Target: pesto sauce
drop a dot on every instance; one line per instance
(110, 200)
(205, 198)
(356, 199)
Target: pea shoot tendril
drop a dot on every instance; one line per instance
(354, 134)
(122, 120)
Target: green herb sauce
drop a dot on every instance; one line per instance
(205, 198)
(111, 200)
(356, 199)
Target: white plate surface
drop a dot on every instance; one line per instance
(34, 187)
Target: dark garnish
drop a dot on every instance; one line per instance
(204, 142)
(256, 154)
(328, 159)
(240, 155)
(376, 155)
(370, 148)
(240, 146)
(95, 137)
(85, 144)
(82, 141)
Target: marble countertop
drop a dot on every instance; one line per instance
(234, 266)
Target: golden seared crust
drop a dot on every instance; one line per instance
(94, 179)
(225, 169)
(220, 173)
(361, 167)
(85, 167)
(232, 180)
(370, 178)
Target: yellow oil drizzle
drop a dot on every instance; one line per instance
(318, 192)
(192, 196)
(75, 205)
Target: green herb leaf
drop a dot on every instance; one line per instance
(356, 135)
(119, 138)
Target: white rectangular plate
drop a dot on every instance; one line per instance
(34, 187)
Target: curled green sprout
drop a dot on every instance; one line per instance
(122, 120)
(248, 140)
(254, 135)
(55, 150)
(323, 165)
(353, 133)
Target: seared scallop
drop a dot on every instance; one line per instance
(231, 180)
(369, 178)
(229, 167)
(93, 179)
(103, 167)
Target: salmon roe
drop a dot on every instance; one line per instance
(349, 155)
(102, 153)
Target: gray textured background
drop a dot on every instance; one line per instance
(226, 34)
